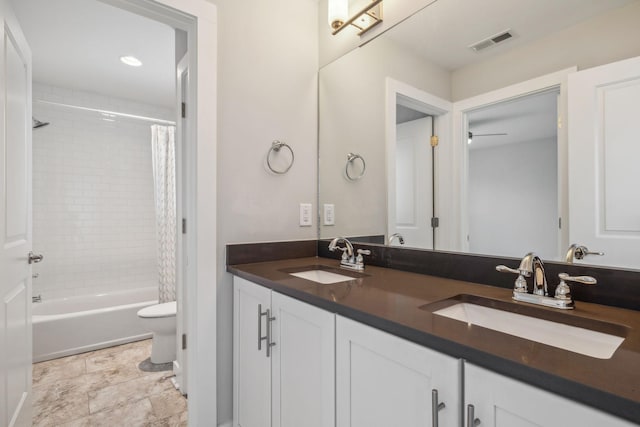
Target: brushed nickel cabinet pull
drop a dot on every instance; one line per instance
(260, 337)
(268, 337)
(435, 407)
(472, 421)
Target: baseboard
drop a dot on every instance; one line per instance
(91, 347)
(226, 424)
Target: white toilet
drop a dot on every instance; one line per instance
(161, 320)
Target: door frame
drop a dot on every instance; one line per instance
(198, 18)
(440, 110)
(183, 184)
(460, 154)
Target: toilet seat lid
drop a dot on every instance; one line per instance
(166, 309)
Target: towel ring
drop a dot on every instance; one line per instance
(275, 147)
(351, 157)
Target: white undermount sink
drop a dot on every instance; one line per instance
(322, 276)
(579, 340)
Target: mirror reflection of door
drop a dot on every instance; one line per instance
(414, 195)
(513, 178)
(604, 203)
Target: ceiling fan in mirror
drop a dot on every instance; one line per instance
(476, 135)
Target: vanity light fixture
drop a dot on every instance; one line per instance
(364, 20)
(131, 60)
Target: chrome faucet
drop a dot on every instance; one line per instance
(531, 265)
(579, 252)
(349, 260)
(396, 236)
(539, 278)
(348, 249)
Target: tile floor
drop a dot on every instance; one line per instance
(105, 388)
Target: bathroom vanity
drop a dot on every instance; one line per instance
(369, 350)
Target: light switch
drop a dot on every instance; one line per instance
(305, 215)
(329, 214)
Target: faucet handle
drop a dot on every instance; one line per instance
(504, 269)
(563, 291)
(520, 285)
(359, 258)
(587, 280)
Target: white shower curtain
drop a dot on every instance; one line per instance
(163, 150)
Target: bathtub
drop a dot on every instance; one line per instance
(66, 326)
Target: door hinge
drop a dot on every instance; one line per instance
(435, 141)
(184, 110)
(184, 341)
(560, 223)
(435, 222)
(559, 121)
(184, 225)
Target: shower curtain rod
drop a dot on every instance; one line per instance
(109, 113)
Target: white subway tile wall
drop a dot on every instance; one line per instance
(93, 207)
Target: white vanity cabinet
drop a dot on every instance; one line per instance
(504, 402)
(383, 380)
(296, 365)
(287, 378)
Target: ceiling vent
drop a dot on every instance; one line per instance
(491, 41)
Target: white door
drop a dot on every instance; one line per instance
(302, 365)
(251, 366)
(604, 106)
(412, 208)
(500, 401)
(383, 380)
(15, 223)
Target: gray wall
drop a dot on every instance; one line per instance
(268, 63)
(352, 119)
(513, 199)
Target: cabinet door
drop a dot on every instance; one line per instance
(303, 364)
(251, 367)
(383, 380)
(505, 402)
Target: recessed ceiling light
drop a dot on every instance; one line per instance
(131, 60)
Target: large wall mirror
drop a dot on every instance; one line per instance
(502, 177)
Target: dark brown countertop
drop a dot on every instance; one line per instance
(390, 300)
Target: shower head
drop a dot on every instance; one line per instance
(37, 123)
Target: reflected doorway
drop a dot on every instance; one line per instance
(414, 202)
(512, 194)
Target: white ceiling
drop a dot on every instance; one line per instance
(529, 118)
(77, 44)
(443, 31)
